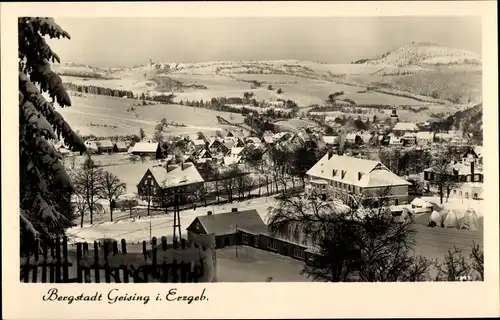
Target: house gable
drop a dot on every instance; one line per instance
(142, 183)
(196, 227)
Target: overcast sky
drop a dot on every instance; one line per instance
(127, 41)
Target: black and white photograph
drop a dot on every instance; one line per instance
(291, 158)
(251, 149)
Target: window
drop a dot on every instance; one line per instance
(272, 244)
(256, 241)
(469, 178)
(460, 193)
(244, 238)
(475, 195)
(466, 195)
(298, 253)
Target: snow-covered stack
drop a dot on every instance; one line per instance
(469, 222)
(435, 220)
(451, 220)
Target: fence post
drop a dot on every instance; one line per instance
(118, 269)
(125, 267)
(175, 275)
(58, 260)
(35, 270)
(78, 262)
(86, 270)
(145, 269)
(65, 265)
(44, 265)
(154, 251)
(97, 269)
(107, 275)
(52, 264)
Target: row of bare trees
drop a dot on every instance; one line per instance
(365, 243)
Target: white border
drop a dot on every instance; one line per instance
(261, 299)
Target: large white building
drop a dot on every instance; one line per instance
(363, 179)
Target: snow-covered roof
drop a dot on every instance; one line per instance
(419, 202)
(199, 142)
(254, 140)
(121, 145)
(231, 160)
(330, 139)
(144, 147)
(405, 126)
(177, 177)
(236, 150)
(424, 135)
(355, 171)
(105, 144)
(268, 139)
(90, 144)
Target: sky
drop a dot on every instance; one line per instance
(114, 42)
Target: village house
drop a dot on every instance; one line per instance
(455, 171)
(120, 146)
(473, 154)
(409, 138)
(395, 141)
(268, 139)
(424, 138)
(161, 183)
(402, 127)
(348, 177)
(105, 146)
(146, 149)
(196, 144)
(202, 155)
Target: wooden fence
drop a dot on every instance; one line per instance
(110, 262)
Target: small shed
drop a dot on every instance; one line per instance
(120, 146)
(105, 146)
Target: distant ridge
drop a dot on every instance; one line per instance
(424, 53)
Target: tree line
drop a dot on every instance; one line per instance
(100, 90)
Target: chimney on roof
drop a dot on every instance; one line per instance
(330, 154)
(209, 213)
(234, 210)
(360, 175)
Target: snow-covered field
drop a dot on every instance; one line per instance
(138, 229)
(108, 116)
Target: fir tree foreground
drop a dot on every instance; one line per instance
(45, 187)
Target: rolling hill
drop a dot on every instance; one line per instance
(434, 79)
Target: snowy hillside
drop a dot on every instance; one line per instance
(424, 54)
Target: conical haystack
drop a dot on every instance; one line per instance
(469, 222)
(435, 219)
(451, 220)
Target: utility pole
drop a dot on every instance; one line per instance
(236, 226)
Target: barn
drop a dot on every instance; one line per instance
(226, 226)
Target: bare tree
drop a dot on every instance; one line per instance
(88, 182)
(444, 178)
(354, 241)
(112, 189)
(454, 267)
(477, 257)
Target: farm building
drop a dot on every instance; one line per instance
(146, 149)
(225, 226)
(348, 176)
(247, 228)
(105, 146)
(161, 183)
(120, 146)
(458, 172)
(473, 154)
